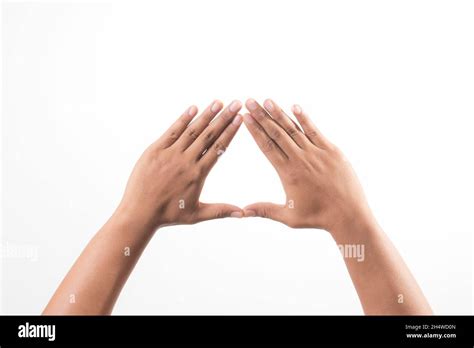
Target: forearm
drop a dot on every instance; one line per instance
(382, 280)
(93, 284)
(163, 189)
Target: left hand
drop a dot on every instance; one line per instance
(167, 180)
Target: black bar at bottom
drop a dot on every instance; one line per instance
(347, 331)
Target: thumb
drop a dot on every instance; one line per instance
(218, 211)
(266, 210)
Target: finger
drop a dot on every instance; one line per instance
(273, 130)
(286, 123)
(267, 210)
(177, 128)
(195, 129)
(210, 157)
(310, 130)
(217, 211)
(266, 144)
(215, 129)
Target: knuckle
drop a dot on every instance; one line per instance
(259, 128)
(269, 145)
(292, 132)
(173, 135)
(219, 214)
(275, 134)
(209, 135)
(192, 133)
(218, 146)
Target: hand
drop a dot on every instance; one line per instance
(166, 183)
(164, 188)
(322, 190)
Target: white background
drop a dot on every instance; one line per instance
(87, 86)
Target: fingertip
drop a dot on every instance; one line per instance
(235, 106)
(297, 110)
(251, 104)
(192, 111)
(216, 106)
(237, 121)
(268, 104)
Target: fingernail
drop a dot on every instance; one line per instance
(248, 118)
(216, 106)
(251, 104)
(268, 105)
(235, 106)
(237, 120)
(250, 213)
(297, 109)
(192, 111)
(236, 214)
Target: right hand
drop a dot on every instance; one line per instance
(322, 190)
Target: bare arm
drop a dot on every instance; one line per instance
(383, 281)
(323, 192)
(163, 189)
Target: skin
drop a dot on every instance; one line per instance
(163, 189)
(323, 192)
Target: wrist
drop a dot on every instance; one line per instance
(129, 221)
(354, 228)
